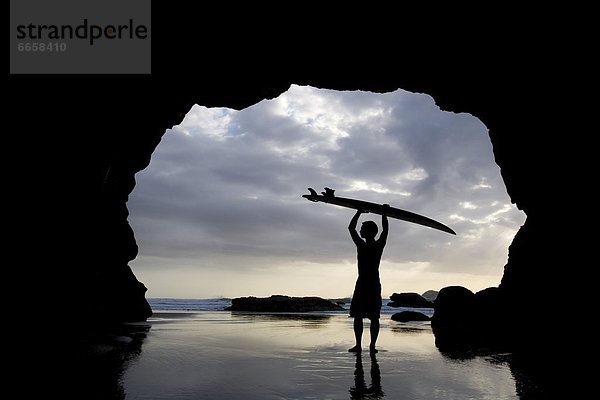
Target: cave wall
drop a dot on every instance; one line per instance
(83, 138)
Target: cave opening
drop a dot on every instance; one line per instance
(218, 211)
(80, 137)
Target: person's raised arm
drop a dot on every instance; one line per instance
(384, 225)
(352, 228)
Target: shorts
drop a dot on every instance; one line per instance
(366, 302)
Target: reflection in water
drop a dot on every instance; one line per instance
(533, 377)
(103, 358)
(410, 330)
(307, 320)
(462, 354)
(360, 391)
(527, 373)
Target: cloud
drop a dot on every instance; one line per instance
(225, 186)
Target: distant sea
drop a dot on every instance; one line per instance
(219, 304)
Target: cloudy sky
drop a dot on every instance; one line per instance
(219, 210)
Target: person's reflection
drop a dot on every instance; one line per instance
(360, 390)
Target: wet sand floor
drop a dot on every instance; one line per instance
(222, 355)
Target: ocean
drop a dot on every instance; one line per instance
(219, 304)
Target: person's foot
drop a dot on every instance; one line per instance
(355, 349)
(373, 350)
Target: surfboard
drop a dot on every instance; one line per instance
(329, 197)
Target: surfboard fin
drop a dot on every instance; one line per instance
(328, 192)
(312, 193)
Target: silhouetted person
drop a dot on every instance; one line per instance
(366, 300)
(360, 391)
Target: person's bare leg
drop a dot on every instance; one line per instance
(374, 328)
(358, 331)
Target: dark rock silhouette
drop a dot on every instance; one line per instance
(278, 303)
(430, 295)
(463, 318)
(453, 318)
(413, 300)
(407, 316)
(454, 305)
(494, 318)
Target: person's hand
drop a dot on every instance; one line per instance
(386, 209)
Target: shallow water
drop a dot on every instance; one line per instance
(222, 355)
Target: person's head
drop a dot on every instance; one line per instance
(368, 230)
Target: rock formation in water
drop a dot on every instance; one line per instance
(278, 303)
(408, 316)
(477, 320)
(413, 300)
(430, 295)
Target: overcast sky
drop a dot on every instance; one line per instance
(219, 210)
